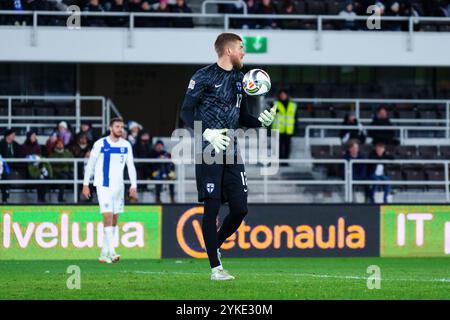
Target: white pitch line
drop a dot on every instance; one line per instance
(311, 275)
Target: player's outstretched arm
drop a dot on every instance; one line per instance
(132, 172)
(89, 170)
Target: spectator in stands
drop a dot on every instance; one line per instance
(134, 5)
(288, 7)
(247, 23)
(81, 145)
(377, 172)
(9, 148)
(51, 141)
(116, 6)
(62, 170)
(4, 173)
(162, 171)
(393, 11)
(349, 14)
(353, 153)
(162, 7)
(267, 7)
(284, 122)
(144, 7)
(180, 6)
(86, 128)
(31, 145)
(64, 133)
(16, 5)
(348, 134)
(94, 21)
(143, 150)
(40, 170)
(385, 136)
(133, 131)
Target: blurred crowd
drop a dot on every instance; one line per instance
(348, 9)
(63, 143)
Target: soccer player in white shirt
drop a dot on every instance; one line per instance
(107, 161)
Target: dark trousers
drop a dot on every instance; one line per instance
(62, 176)
(386, 188)
(158, 190)
(285, 146)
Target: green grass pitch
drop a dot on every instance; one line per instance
(263, 278)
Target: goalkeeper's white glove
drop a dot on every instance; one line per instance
(218, 138)
(267, 117)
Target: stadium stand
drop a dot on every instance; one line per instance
(338, 8)
(316, 166)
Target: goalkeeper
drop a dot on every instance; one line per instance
(215, 97)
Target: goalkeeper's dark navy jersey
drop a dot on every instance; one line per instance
(220, 94)
(215, 97)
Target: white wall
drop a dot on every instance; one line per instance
(186, 46)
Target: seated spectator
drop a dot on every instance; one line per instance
(162, 171)
(40, 170)
(31, 145)
(349, 15)
(353, 153)
(393, 11)
(81, 146)
(64, 133)
(288, 7)
(117, 6)
(384, 136)
(349, 134)
(86, 128)
(94, 21)
(180, 6)
(51, 141)
(4, 173)
(161, 7)
(133, 131)
(62, 170)
(246, 23)
(267, 7)
(376, 171)
(16, 5)
(134, 5)
(9, 148)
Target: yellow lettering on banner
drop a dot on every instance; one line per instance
(305, 237)
(243, 229)
(356, 237)
(254, 237)
(331, 243)
(278, 231)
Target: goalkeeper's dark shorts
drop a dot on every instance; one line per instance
(220, 181)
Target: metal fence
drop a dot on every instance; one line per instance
(402, 130)
(105, 107)
(347, 182)
(357, 105)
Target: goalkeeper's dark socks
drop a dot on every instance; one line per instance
(209, 229)
(238, 210)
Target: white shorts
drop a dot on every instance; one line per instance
(111, 199)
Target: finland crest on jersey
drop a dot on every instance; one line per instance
(210, 187)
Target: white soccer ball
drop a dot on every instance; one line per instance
(256, 82)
